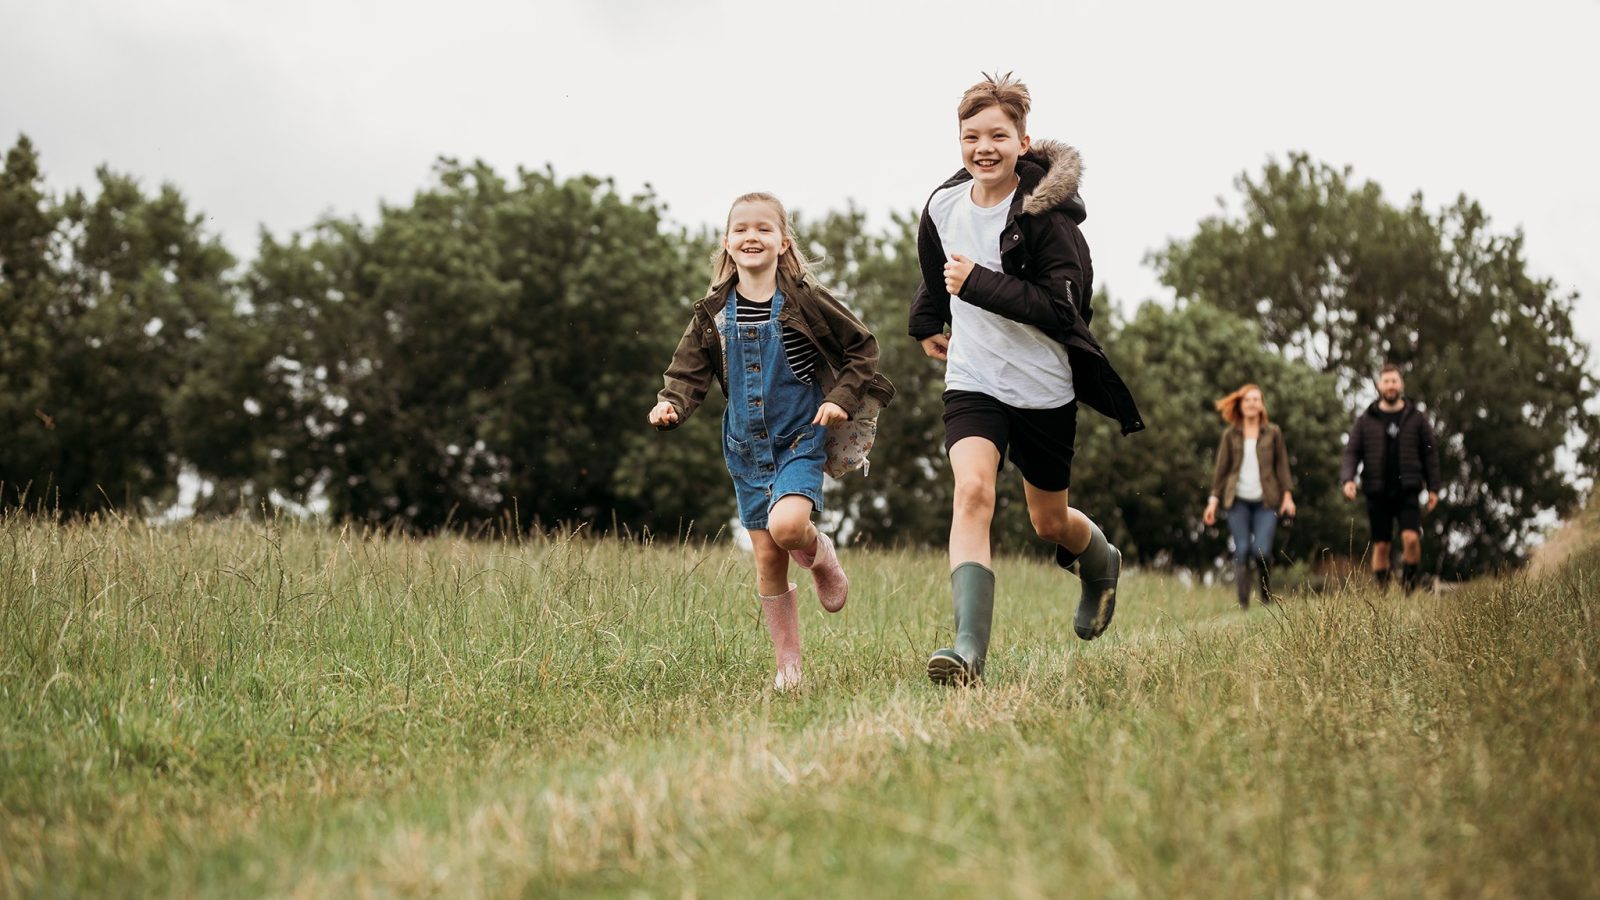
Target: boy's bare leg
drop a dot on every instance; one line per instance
(1079, 540)
(975, 462)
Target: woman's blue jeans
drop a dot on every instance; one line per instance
(1253, 526)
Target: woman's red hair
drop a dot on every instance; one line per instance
(1229, 405)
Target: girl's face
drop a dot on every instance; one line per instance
(1250, 404)
(755, 236)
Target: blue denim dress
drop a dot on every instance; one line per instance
(770, 445)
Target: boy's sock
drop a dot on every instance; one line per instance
(833, 586)
(1410, 576)
(1099, 567)
(972, 596)
(1241, 583)
(783, 624)
(1383, 579)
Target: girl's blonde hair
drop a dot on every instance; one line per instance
(1229, 406)
(792, 263)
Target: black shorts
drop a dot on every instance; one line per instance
(1040, 440)
(1383, 509)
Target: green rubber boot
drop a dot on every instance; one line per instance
(1099, 567)
(972, 592)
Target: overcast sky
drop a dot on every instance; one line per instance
(273, 114)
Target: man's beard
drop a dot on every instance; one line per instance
(1391, 396)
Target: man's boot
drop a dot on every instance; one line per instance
(1382, 576)
(972, 595)
(1410, 576)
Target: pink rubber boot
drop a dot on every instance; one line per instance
(783, 623)
(833, 587)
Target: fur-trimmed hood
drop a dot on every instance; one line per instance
(1048, 176)
(1059, 170)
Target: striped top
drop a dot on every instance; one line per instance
(801, 353)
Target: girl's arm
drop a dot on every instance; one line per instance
(689, 375)
(858, 353)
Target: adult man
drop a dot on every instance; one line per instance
(1392, 444)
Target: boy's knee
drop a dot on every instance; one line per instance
(1050, 524)
(974, 498)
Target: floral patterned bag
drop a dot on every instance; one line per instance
(849, 442)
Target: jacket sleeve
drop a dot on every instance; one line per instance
(1352, 453)
(857, 349)
(1219, 477)
(1281, 462)
(930, 306)
(1430, 454)
(689, 375)
(1052, 296)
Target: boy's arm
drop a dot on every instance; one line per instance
(930, 306)
(858, 349)
(689, 376)
(1051, 296)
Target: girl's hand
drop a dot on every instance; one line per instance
(1210, 515)
(663, 415)
(937, 346)
(1287, 509)
(828, 414)
(956, 272)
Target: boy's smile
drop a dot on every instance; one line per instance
(990, 147)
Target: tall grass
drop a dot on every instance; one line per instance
(279, 708)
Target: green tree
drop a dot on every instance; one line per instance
(105, 302)
(489, 350)
(1338, 276)
(1148, 491)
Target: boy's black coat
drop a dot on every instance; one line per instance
(1051, 279)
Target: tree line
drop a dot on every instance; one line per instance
(487, 352)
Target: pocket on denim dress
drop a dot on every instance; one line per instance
(739, 455)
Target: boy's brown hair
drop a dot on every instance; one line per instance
(1003, 91)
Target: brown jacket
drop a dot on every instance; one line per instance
(1271, 454)
(844, 343)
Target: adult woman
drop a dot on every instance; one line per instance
(1253, 483)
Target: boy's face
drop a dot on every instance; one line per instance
(990, 146)
(755, 235)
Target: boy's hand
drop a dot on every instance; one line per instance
(937, 346)
(829, 414)
(663, 415)
(956, 272)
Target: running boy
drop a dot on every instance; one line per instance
(792, 361)
(1006, 268)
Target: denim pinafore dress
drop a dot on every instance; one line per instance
(771, 447)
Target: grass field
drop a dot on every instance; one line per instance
(237, 709)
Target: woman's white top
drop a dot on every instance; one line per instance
(1249, 487)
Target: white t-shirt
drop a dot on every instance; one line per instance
(1249, 486)
(1017, 364)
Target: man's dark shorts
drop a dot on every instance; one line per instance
(1383, 509)
(1040, 440)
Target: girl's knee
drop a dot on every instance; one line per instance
(790, 532)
